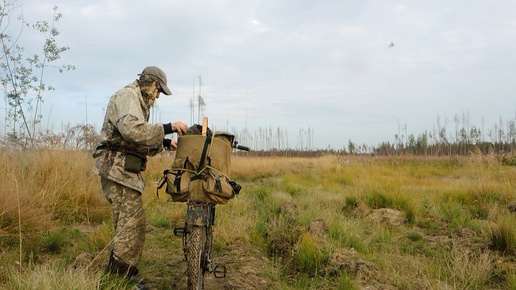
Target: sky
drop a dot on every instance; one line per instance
(345, 70)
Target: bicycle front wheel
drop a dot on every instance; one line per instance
(195, 246)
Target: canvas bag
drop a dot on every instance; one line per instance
(191, 178)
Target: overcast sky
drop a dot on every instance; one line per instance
(349, 70)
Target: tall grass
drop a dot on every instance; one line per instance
(47, 186)
(456, 227)
(42, 191)
(53, 276)
(52, 185)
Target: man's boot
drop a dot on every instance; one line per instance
(118, 267)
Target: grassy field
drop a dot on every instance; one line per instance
(325, 223)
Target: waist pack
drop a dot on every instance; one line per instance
(201, 168)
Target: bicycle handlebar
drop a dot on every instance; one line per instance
(240, 147)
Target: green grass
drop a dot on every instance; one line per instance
(503, 237)
(457, 232)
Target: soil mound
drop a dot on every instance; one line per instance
(388, 216)
(368, 275)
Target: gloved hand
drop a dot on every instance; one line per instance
(169, 144)
(180, 127)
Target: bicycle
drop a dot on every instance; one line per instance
(196, 233)
(197, 241)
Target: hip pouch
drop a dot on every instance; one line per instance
(134, 162)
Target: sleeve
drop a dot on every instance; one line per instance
(132, 124)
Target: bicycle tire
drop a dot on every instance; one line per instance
(195, 246)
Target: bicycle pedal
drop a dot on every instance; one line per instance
(219, 271)
(180, 232)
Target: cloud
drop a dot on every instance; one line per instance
(326, 65)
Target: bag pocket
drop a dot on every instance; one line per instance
(218, 187)
(208, 186)
(178, 182)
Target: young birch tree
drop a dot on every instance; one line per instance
(22, 74)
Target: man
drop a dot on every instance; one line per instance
(127, 138)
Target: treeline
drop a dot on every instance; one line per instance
(393, 149)
(269, 139)
(463, 139)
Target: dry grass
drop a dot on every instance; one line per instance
(51, 185)
(457, 234)
(438, 197)
(53, 276)
(42, 191)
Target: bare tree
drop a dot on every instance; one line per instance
(201, 103)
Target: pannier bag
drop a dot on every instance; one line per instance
(201, 168)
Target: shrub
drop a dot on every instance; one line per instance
(311, 257)
(503, 237)
(53, 242)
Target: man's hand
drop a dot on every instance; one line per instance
(170, 144)
(180, 127)
(173, 145)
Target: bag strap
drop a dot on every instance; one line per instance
(162, 182)
(207, 142)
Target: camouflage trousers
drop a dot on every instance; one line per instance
(128, 219)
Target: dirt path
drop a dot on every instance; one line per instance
(248, 267)
(163, 267)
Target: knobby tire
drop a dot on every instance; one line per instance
(195, 245)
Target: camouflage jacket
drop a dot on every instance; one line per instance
(126, 129)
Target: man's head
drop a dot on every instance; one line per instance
(157, 74)
(153, 81)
